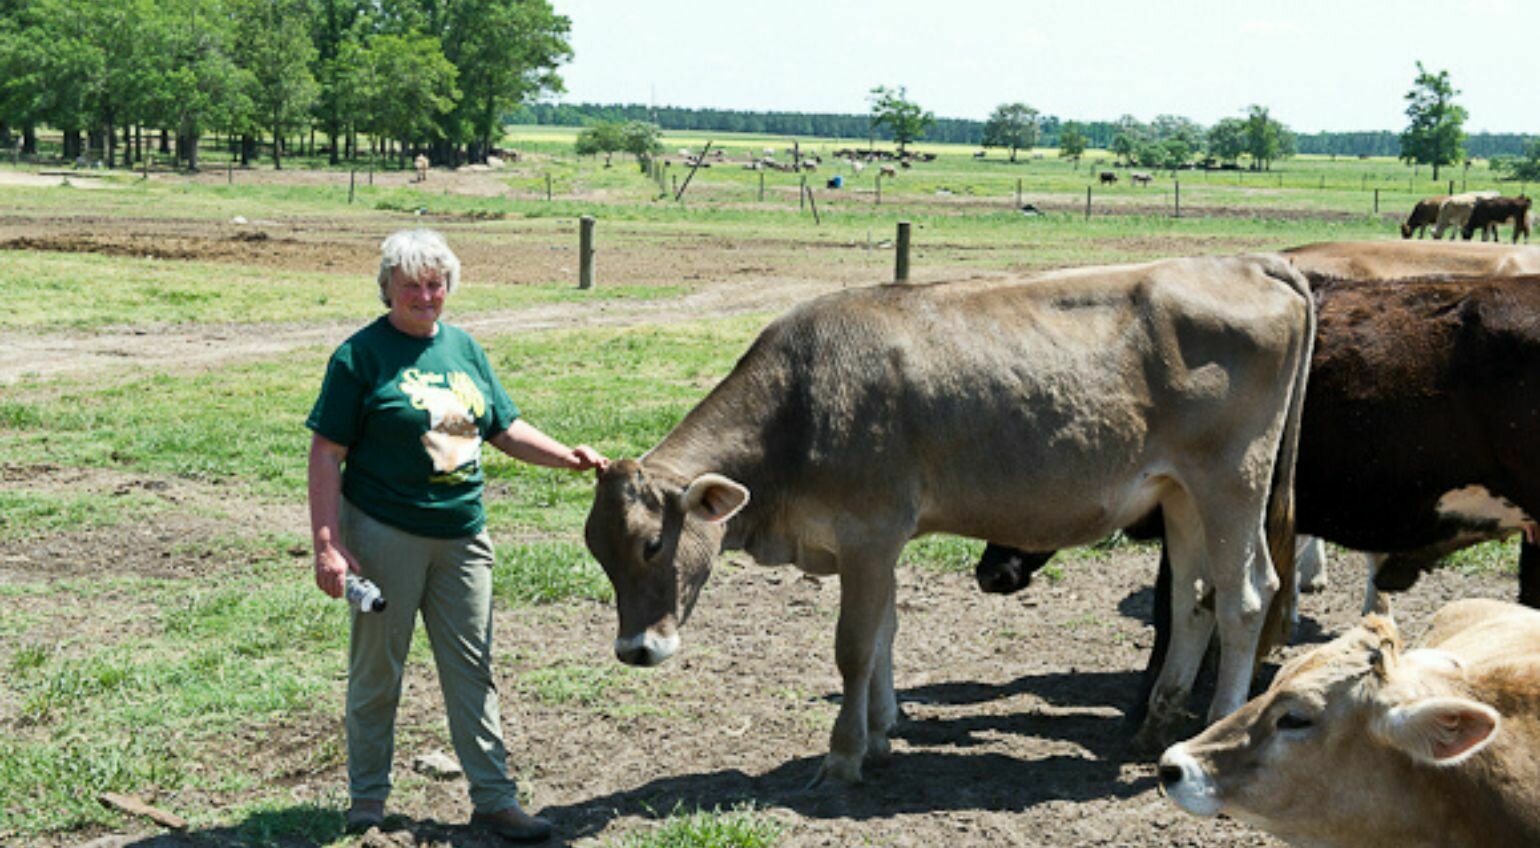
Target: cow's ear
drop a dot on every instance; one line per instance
(714, 498)
(1441, 731)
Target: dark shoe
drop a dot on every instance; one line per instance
(513, 823)
(365, 814)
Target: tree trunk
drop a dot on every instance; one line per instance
(248, 149)
(29, 139)
(165, 142)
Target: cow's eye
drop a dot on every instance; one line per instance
(1293, 721)
(652, 547)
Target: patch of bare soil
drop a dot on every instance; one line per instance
(1015, 731)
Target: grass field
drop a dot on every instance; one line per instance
(119, 672)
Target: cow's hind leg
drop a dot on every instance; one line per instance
(1191, 626)
(882, 712)
(867, 587)
(1244, 584)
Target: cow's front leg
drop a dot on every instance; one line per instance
(866, 596)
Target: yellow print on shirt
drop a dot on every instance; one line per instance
(453, 442)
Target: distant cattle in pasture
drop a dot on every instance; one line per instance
(1107, 177)
(1424, 215)
(1140, 178)
(1456, 211)
(887, 171)
(420, 163)
(1492, 211)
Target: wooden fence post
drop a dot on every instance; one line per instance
(586, 252)
(548, 187)
(802, 192)
(352, 181)
(1376, 200)
(1176, 187)
(1451, 186)
(813, 204)
(1088, 203)
(761, 185)
(901, 259)
(1018, 192)
(879, 189)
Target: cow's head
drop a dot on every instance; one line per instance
(656, 538)
(1002, 570)
(1327, 748)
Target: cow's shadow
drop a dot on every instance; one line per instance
(936, 768)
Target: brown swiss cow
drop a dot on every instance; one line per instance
(854, 424)
(1362, 744)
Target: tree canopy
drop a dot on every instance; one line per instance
(1435, 130)
(892, 108)
(1013, 126)
(418, 74)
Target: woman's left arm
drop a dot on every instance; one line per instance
(524, 441)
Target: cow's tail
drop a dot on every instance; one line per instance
(1279, 622)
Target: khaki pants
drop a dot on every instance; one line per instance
(450, 582)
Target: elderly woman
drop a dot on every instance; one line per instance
(395, 496)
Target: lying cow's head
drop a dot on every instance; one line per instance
(1327, 750)
(656, 538)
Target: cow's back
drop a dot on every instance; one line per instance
(973, 407)
(1390, 260)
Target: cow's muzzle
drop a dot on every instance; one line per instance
(646, 648)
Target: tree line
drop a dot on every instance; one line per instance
(1097, 134)
(370, 77)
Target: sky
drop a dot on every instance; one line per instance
(1337, 65)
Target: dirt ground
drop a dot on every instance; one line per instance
(1014, 732)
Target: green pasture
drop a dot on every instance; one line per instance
(181, 681)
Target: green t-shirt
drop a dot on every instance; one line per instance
(413, 413)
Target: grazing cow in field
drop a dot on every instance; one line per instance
(1044, 413)
(1106, 177)
(1363, 744)
(887, 171)
(421, 164)
(1424, 215)
(1140, 178)
(1456, 211)
(1491, 211)
(1417, 391)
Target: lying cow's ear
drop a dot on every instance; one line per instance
(714, 498)
(1441, 731)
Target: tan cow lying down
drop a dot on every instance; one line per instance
(1361, 743)
(1044, 413)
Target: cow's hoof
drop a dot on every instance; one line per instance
(837, 769)
(878, 747)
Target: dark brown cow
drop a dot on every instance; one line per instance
(1491, 211)
(1107, 177)
(1424, 215)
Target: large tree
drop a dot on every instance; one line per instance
(892, 108)
(507, 52)
(1072, 143)
(273, 44)
(1267, 140)
(1012, 125)
(1435, 132)
(1226, 140)
(412, 85)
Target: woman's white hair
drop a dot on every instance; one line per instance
(416, 251)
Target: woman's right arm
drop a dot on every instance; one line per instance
(332, 560)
